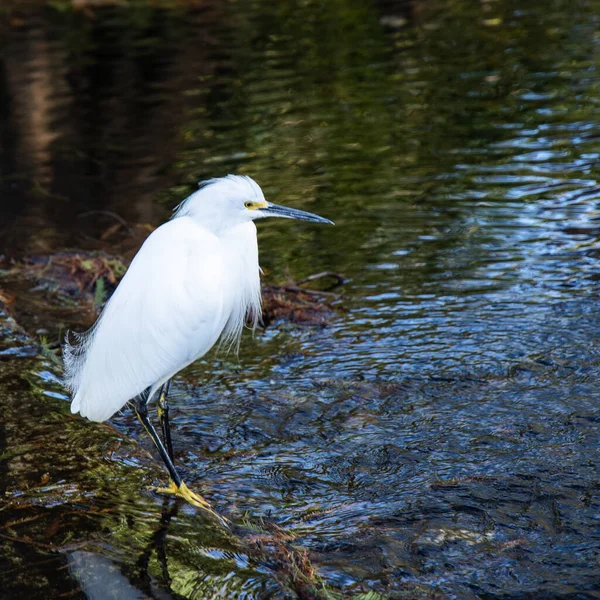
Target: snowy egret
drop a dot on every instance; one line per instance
(194, 281)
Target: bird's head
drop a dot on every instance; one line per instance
(227, 201)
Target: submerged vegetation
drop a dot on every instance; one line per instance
(78, 283)
(83, 281)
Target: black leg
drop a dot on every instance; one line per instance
(163, 415)
(177, 486)
(141, 410)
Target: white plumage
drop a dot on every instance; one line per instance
(194, 280)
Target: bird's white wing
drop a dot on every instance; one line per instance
(166, 312)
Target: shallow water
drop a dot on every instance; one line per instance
(439, 437)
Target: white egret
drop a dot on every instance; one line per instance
(194, 281)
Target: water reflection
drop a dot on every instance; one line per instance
(439, 436)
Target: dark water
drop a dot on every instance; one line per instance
(438, 439)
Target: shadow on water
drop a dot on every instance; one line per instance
(436, 438)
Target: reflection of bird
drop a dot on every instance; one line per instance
(194, 281)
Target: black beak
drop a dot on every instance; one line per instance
(274, 210)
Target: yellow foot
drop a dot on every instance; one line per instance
(183, 491)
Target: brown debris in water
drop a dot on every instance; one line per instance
(270, 544)
(88, 279)
(300, 305)
(74, 273)
(6, 301)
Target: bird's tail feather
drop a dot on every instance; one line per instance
(74, 359)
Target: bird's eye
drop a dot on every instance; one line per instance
(249, 204)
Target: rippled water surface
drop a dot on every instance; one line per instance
(438, 438)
